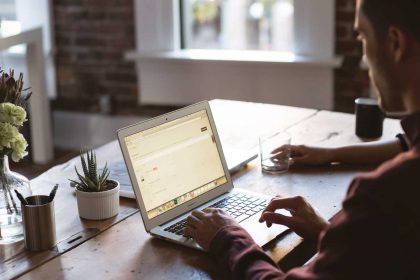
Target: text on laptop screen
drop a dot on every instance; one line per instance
(175, 162)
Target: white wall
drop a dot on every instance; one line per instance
(188, 82)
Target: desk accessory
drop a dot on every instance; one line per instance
(39, 223)
(275, 152)
(97, 196)
(369, 118)
(21, 198)
(53, 192)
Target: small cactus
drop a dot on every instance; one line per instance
(90, 182)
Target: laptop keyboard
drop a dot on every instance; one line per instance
(239, 205)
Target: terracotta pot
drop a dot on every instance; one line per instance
(99, 205)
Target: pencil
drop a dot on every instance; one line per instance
(52, 193)
(21, 198)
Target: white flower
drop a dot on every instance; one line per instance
(19, 148)
(8, 135)
(11, 139)
(13, 114)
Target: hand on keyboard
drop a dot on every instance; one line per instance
(240, 206)
(304, 219)
(203, 225)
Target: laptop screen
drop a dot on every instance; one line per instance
(175, 162)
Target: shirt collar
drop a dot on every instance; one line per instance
(411, 126)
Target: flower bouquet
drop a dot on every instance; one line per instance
(13, 102)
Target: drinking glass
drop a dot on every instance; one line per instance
(275, 152)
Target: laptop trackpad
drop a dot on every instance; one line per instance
(260, 232)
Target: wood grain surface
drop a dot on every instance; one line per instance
(124, 250)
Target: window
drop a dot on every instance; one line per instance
(304, 27)
(9, 25)
(191, 50)
(8, 22)
(22, 15)
(238, 24)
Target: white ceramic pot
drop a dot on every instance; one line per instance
(99, 205)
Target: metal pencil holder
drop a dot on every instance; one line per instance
(39, 223)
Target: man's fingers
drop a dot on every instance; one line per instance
(189, 231)
(274, 218)
(214, 211)
(210, 210)
(280, 149)
(198, 214)
(276, 197)
(283, 203)
(296, 151)
(194, 222)
(297, 160)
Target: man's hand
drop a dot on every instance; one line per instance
(304, 155)
(304, 219)
(203, 225)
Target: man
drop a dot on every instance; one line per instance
(377, 234)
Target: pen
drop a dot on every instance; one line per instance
(21, 198)
(52, 193)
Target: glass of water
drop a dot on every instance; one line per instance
(275, 152)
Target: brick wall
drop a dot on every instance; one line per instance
(350, 81)
(92, 36)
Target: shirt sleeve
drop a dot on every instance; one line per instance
(235, 251)
(352, 247)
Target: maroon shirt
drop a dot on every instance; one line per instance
(375, 236)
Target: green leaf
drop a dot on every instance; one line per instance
(85, 170)
(81, 178)
(92, 167)
(90, 181)
(75, 184)
(104, 175)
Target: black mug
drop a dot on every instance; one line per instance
(369, 118)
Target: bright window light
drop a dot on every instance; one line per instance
(9, 25)
(9, 28)
(238, 24)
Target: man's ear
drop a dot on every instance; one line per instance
(398, 43)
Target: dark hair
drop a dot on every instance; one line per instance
(404, 14)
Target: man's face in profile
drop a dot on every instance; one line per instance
(381, 65)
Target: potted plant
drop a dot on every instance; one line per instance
(97, 196)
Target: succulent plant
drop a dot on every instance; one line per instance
(91, 181)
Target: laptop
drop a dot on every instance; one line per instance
(176, 165)
(236, 160)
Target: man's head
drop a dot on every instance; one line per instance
(390, 32)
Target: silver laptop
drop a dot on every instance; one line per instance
(236, 159)
(176, 164)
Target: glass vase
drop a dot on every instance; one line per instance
(11, 228)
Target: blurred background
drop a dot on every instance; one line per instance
(110, 63)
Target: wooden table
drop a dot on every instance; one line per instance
(120, 247)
